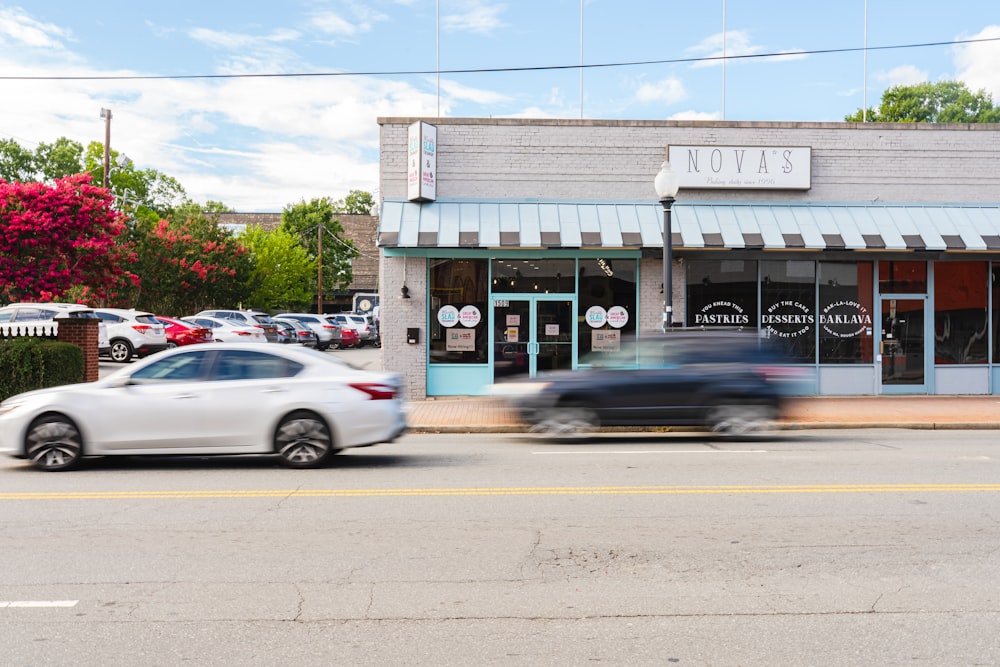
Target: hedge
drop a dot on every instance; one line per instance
(32, 363)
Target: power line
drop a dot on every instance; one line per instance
(493, 70)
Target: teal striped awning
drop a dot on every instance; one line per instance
(708, 225)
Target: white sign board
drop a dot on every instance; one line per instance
(742, 167)
(460, 340)
(605, 340)
(421, 162)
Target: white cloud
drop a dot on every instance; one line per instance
(332, 24)
(978, 65)
(475, 17)
(234, 41)
(19, 29)
(904, 75)
(459, 92)
(737, 43)
(668, 91)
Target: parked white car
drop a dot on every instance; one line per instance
(360, 323)
(24, 319)
(247, 317)
(229, 331)
(132, 333)
(287, 400)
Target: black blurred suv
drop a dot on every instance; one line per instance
(727, 382)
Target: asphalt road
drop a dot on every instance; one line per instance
(833, 548)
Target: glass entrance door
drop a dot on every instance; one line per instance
(531, 334)
(902, 345)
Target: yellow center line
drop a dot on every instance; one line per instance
(497, 491)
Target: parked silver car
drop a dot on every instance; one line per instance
(297, 332)
(328, 333)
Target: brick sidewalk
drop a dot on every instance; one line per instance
(477, 414)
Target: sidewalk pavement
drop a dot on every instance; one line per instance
(491, 415)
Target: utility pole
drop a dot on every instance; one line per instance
(106, 115)
(319, 280)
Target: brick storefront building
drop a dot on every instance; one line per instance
(873, 250)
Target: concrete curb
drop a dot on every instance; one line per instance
(786, 426)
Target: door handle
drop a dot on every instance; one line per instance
(273, 390)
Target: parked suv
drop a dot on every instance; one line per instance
(256, 318)
(327, 333)
(360, 323)
(29, 318)
(132, 333)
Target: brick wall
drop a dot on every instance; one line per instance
(83, 332)
(593, 159)
(550, 159)
(398, 314)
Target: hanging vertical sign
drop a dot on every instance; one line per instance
(421, 162)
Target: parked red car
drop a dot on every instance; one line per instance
(349, 337)
(180, 332)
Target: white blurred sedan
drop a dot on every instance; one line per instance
(212, 398)
(229, 331)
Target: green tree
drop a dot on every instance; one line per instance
(941, 102)
(283, 270)
(186, 263)
(357, 202)
(307, 221)
(17, 164)
(63, 157)
(142, 193)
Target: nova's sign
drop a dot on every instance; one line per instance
(421, 162)
(742, 167)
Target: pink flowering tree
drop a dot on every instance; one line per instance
(60, 239)
(185, 264)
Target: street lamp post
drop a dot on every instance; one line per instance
(667, 183)
(106, 115)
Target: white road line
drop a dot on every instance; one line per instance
(38, 603)
(655, 451)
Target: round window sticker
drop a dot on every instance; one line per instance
(448, 316)
(469, 316)
(617, 317)
(596, 317)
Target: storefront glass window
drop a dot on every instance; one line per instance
(606, 306)
(459, 315)
(845, 313)
(788, 306)
(960, 320)
(534, 276)
(721, 293)
(902, 277)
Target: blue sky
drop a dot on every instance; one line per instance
(259, 144)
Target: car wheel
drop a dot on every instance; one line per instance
(740, 418)
(567, 420)
(53, 443)
(171, 344)
(121, 350)
(303, 441)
